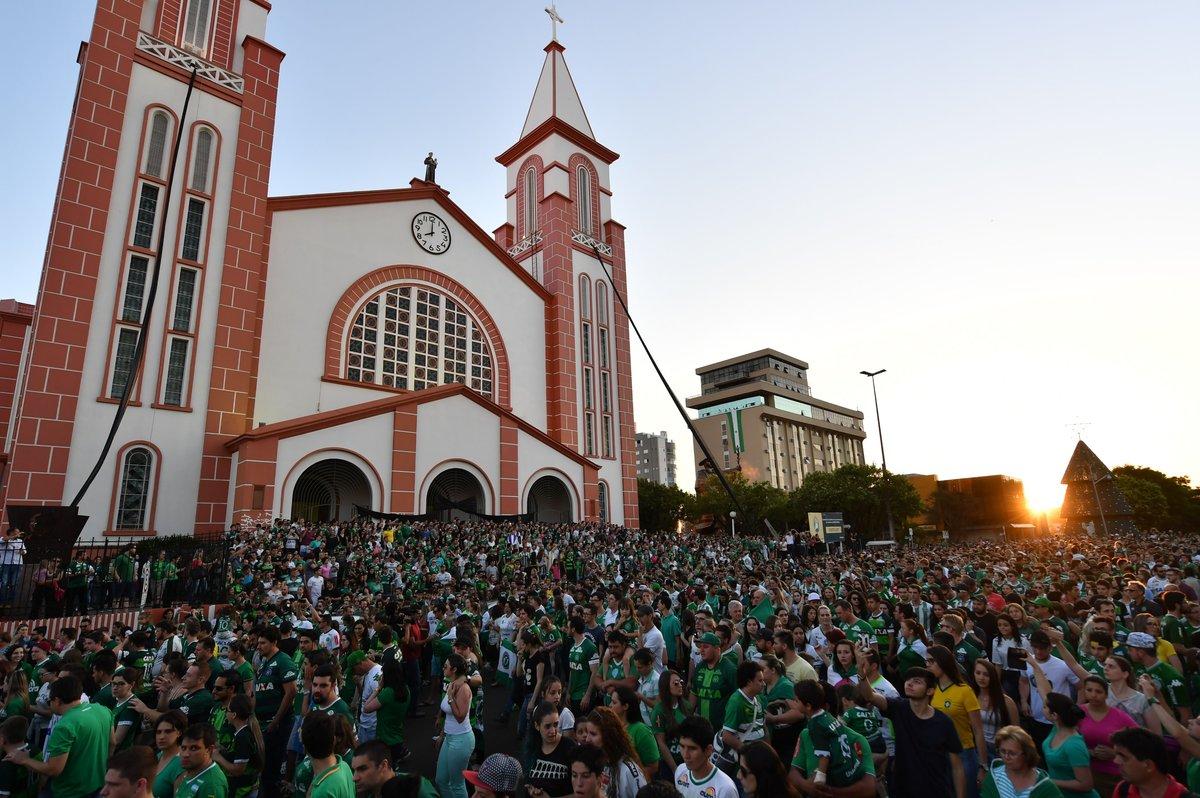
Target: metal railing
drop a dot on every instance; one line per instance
(117, 573)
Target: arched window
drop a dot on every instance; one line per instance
(585, 297)
(415, 337)
(133, 493)
(583, 184)
(531, 200)
(602, 303)
(195, 26)
(201, 160)
(157, 144)
(602, 502)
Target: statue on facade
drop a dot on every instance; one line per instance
(430, 169)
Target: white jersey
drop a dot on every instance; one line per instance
(715, 785)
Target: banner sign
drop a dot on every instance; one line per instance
(506, 663)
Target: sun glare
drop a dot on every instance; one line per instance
(1041, 498)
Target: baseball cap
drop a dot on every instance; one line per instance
(814, 597)
(1041, 601)
(498, 773)
(709, 638)
(354, 658)
(1141, 640)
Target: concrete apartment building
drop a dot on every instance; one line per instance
(656, 458)
(757, 413)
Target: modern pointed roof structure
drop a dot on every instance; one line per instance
(556, 108)
(1092, 495)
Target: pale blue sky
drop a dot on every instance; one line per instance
(999, 203)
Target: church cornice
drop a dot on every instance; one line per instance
(549, 127)
(420, 190)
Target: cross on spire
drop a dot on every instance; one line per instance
(552, 12)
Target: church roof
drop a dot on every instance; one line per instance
(1085, 466)
(555, 96)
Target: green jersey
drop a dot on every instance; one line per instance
(671, 631)
(276, 672)
(17, 781)
(243, 750)
(712, 688)
(663, 723)
(866, 721)
(1174, 630)
(966, 654)
(164, 782)
(333, 782)
(208, 783)
(77, 573)
(338, 707)
(126, 717)
(83, 731)
(220, 721)
(1170, 684)
(859, 630)
(784, 690)
(582, 659)
(745, 719)
(389, 718)
(831, 738)
(197, 705)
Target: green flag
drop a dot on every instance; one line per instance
(507, 662)
(763, 611)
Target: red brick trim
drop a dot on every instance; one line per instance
(72, 266)
(510, 501)
(577, 160)
(380, 280)
(550, 126)
(403, 498)
(151, 508)
(532, 162)
(227, 409)
(614, 234)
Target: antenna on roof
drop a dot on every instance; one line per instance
(1079, 427)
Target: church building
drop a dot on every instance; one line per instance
(307, 355)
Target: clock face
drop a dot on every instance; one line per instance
(431, 232)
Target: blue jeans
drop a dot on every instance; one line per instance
(523, 717)
(452, 761)
(970, 764)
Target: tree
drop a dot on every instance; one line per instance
(1150, 506)
(953, 508)
(661, 506)
(1183, 500)
(760, 502)
(859, 493)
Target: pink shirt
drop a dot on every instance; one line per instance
(1100, 733)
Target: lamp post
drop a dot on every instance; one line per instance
(733, 523)
(887, 505)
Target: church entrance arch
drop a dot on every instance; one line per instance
(328, 490)
(455, 493)
(549, 500)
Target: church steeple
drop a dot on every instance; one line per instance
(556, 96)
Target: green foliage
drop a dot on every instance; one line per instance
(1183, 500)
(1150, 507)
(661, 506)
(759, 502)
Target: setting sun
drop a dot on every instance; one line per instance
(1043, 497)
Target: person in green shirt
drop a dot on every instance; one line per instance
(745, 717)
(714, 680)
(839, 764)
(274, 689)
(202, 777)
(326, 697)
(374, 775)
(856, 628)
(77, 751)
(123, 568)
(582, 659)
(126, 720)
(332, 777)
(242, 759)
(16, 781)
(1172, 689)
(196, 701)
(671, 630)
(77, 582)
(390, 705)
(625, 705)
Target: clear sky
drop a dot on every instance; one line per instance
(998, 203)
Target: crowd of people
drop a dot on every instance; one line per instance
(613, 663)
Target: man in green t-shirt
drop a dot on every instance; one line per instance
(196, 701)
(856, 628)
(325, 697)
(201, 777)
(1142, 649)
(745, 718)
(332, 778)
(671, 631)
(714, 681)
(77, 753)
(274, 689)
(582, 659)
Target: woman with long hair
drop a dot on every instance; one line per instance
(1015, 770)
(547, 772)
(16, 695)
(242, 761)
(761, 772)
(1009, 638)
(956, 700)
(1123, 693)
(749, 638)
(1099, 723)
(996, 708)
(625, 704)
(808, 617)
(555, 692)
(168, 730)
(457, 740)
(390, 705)
(1064, 750)
(623, 775)
(842, 668)
(911, 645)
(665, 718)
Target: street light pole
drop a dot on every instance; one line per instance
(887, 505)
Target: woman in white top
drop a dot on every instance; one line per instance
(457, 741)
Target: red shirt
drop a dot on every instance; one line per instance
(1174, 790)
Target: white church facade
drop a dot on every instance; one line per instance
(309, 356)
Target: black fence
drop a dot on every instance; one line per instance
(117, 573)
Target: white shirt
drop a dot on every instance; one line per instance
(715, 785)
(370, 686)
(653, 640)
(316, 583)
(331, 640)
(1062, 680)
